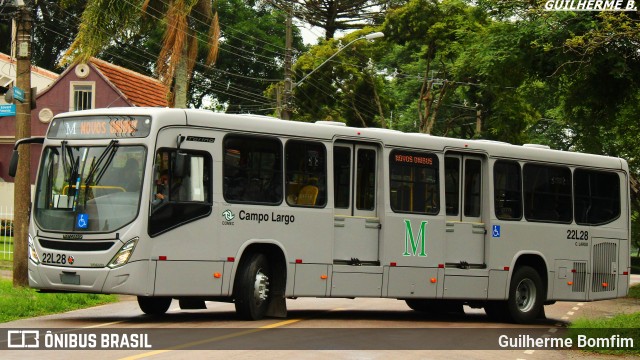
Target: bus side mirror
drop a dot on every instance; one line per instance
(180, 164)
(13, 164)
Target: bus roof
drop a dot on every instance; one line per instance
(329, 131)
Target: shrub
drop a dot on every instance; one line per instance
(6, 227)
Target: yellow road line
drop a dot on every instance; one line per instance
(217, 338)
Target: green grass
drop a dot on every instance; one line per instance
(6, 248)
(18, 303)
(624, 325)
(634, 292)
(6, 245)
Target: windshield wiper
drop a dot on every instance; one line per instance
(107, 154)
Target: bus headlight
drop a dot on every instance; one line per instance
(33, 255)
(122, 257)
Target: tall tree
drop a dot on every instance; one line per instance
(335, 15)
(251, 59)
(348, 89)
(106, 20)
(427, 37)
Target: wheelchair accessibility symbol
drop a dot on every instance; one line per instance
(495, 231)
(82, 221)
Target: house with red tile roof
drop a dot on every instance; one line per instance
(96, 84)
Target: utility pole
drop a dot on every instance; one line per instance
(22, 183)
(286, 98)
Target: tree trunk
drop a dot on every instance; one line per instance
(383, 122)
(181, 81)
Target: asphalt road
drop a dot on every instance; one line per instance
(314, 329)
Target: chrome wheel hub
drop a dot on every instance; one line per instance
(261, 287)
(525, 295)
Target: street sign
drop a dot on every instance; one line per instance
(18, 94)
(8, 110)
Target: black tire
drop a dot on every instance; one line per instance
(526, 296)
(252, 289)
(154, 305)
(435, 307)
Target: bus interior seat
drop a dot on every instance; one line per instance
(308, 195)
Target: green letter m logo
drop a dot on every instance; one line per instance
(410, 239)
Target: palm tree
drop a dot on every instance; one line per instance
(105, 20)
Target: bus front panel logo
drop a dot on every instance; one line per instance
(414, 246)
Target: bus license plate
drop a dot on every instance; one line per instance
(70, 279)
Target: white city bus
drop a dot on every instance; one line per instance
(198, 206)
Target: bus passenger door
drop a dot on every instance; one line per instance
(356, 222)
(465, 229)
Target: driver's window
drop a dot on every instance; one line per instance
(181, 190)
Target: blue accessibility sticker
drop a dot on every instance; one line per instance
(82, 221)
(495, 231)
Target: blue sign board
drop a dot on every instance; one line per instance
(8, 110)
(18, 94)
(495, 231)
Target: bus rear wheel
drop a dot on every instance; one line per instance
(154, 305)
(252, 287)
(526, 295)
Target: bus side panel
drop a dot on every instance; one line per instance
(465, 284)
(569, 280)
(349, 281)
(310, 280)
(179, 277)
(498, 285)
(408, 282)
(132, 278)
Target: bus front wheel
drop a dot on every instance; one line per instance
(526, 295)
(252, 287)
(151, 305)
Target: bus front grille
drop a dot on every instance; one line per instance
(76, 245)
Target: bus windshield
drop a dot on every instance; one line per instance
(89, 188)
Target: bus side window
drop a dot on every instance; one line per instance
(451, 181)
(597, 197)
(507, 185)
(414, 185)
(547, 193)
(306, 173)
(252, 169)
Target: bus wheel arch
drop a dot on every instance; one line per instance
(527, 292)
(260, 282)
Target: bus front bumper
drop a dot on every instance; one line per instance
(128, 279)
